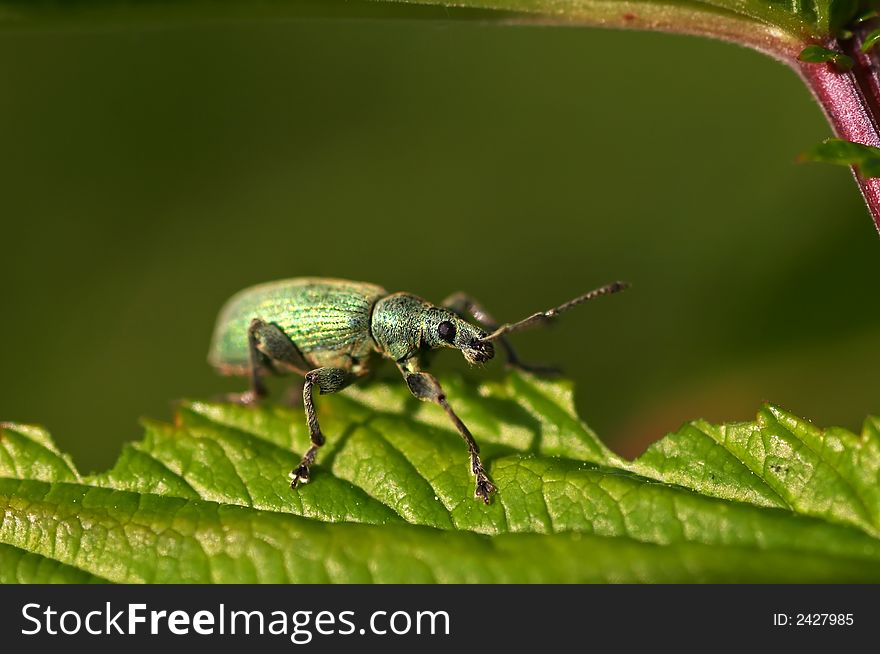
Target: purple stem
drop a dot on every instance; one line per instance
(851, 101)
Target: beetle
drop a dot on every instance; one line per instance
(330, 331)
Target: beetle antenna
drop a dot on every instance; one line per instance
(544, 317)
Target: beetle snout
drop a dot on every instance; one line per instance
(479, 351)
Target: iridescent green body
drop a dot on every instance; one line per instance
(328, 331)
(328, 320)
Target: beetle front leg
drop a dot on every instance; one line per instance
(467, 307)
(328, 380)
(426, 388)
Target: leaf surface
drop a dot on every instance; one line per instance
(391, 498)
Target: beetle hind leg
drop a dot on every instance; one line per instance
(328, 380)
(257, 363)
(268, 345)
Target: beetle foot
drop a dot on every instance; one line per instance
(485, 488)
(300, 475)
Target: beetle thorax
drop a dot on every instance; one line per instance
(396, 324)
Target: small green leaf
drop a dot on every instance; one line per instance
(871, 40)
(866, 158)
(817, 54)
(391, 498)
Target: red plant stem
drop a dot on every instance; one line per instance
(851, 101)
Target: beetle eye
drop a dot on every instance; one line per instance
(446, 330)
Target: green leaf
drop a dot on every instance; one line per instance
(864, 15)
(391, 499)
(871, 40)
(866, 158)
(817, 54)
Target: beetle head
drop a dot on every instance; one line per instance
(443, 328)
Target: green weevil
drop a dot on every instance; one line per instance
(330, 331)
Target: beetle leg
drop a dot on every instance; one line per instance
(328, 380)
(467, 307)
(425, 387)
(258, 388)
(267, 344)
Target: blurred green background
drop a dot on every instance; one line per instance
(156, 160)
